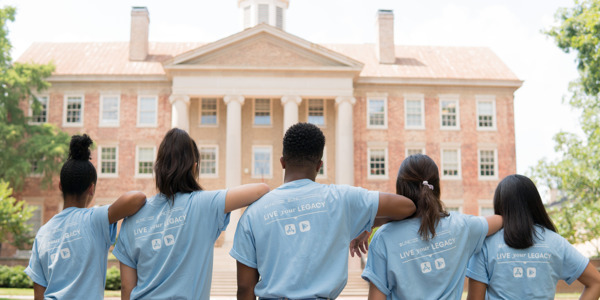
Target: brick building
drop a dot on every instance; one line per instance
(376, 104)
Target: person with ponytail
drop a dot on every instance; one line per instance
(425, 256)
(166, 249)
(69, 254)
(527, 257)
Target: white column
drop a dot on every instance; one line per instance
(290, 111)
(344, 140)
(180, 112)
(233, 153)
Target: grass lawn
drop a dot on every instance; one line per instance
(29, 292)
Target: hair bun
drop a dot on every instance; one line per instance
(80, 147)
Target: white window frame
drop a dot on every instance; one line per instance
(270, 113)
(482, 206)
(385, 112)
(386, 162)
(108, 175)
(324, 166)
(47, 109)
(258, 20)
(324, 111)
(137, 161)
(454, 203)
(495, 177)
(38, 202)
(277, 9)
(104, 123)
(486, 98)
(413, 148)
(65, 101)
(216, 175)
(256, 176)
(139, 110)
(414, 97)
(451, 177)
(33, 174)
(200, 124)
(450, 98)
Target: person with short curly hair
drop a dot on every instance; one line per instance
(296, 238)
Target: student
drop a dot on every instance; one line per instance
(68, 259)
(166, 249)
(424, 257)
(526, 259)
(296, 237)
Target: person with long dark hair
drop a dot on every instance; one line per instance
(68, 259)
(527, 257)
(425, 256)
(166, 249)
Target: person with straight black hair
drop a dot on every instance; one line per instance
(425, 256)
(527, 257)
(69, 254)
(166, 249)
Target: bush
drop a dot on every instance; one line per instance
(113, 279)
(14, 277)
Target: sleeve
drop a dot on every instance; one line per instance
(573, 262)
(122, 251)
(478, 228)
(102, 226)
(244, 248)
(362, 207)
(477, 267)
(35, 270)
(376, 271)
(217, 204)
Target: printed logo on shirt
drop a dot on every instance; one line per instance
(290, 229)
(169, 240)
(295, 207)
(426, 267)
(440, 263)
(517, 272)
(531, 272)
(156, 244)
(65, 253)
(304, 226)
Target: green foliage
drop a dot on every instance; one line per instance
(576, 174)
(13, 218)
(113, 279)
(22, 143)
(14, 277)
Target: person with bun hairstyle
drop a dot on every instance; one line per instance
(527, 257)
(69, 254)
(166, 249)
(425, 256)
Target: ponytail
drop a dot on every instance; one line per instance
(430, 210)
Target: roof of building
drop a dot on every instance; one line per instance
(420, 62)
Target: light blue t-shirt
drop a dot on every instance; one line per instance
(530, 273)
(171, 245)
(70, 251)
(404, 266)
(297, 236)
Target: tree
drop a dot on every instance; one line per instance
(576, 174)
(13, 228)
(24, 146)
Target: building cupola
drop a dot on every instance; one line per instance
(256, 12)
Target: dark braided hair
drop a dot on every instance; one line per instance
(303, 145)
(78, 173)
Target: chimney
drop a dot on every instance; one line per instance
(385, 49)
(138, 42)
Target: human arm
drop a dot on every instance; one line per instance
(244, 195)
(494, 224)
(247, 278)
(375, 293)
(128, 281)
(476, 290)
(125, 206)
(38, 291)
(590, 278)
(395, 207)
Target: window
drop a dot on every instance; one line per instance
(486, 112)
(247, 15)
(450, 163)
(449, 112)
(316, 111)
(261, 162)
(109, 110)
(486, 211)
(279, 17)
(453, 209)
(36, 168)
(145, 161)
(414, 112)
(323, 170)
(262, 111)
(208, 161)
(108, 157)
(377, 163)
(377, 113)
(208, 111)
(42, 115)
(487, 163)
(36, 217)
(413, 151)
(73, 113)
(147, 107)
(263, 13)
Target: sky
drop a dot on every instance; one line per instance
(511, 28)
